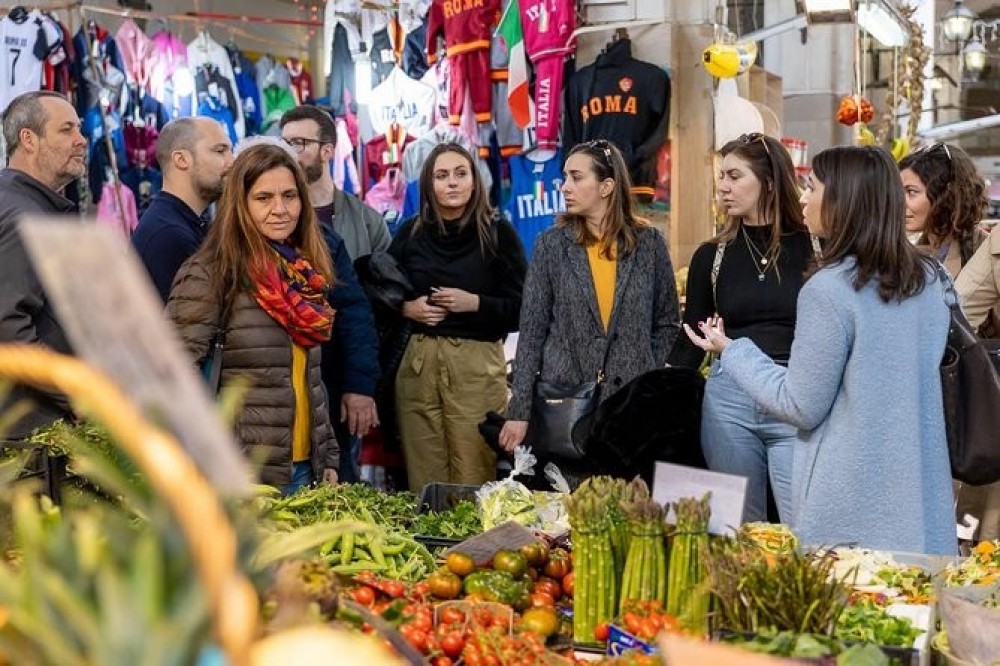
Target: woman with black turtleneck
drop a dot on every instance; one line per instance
(759, 263)
(467, 267)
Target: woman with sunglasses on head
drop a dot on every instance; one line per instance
(945, 201)
(601, 267)
(262, 276)
(871, 458)
(750, 275)
(466, 265)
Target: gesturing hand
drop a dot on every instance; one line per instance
(714, 332)
(421, 311)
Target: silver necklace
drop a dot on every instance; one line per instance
(757, 256)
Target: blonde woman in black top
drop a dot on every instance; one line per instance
(759, 261)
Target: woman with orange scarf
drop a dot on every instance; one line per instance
(261, 279)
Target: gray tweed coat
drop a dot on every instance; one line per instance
(562, 339)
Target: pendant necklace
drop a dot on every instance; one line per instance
(757, 256)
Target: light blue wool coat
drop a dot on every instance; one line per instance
(863, 386)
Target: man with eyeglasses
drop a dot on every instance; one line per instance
(311, 132)
(352, 230)
(194, 155)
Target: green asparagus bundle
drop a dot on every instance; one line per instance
(617, 492)
(687, 592)
(645, 575)
(595, 583)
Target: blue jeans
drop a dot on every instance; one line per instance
(739, 437)
(350, 458)
(302, 476)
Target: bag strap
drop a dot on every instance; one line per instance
(720, 250)
(950, 295)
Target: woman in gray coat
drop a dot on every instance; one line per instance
(863, 381)
(600, 267)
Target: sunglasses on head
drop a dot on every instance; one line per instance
(931, 147)
(602, 145)
(747, 139)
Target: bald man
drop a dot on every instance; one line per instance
(194, 155)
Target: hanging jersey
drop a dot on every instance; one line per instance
(405, 101)
(25, 48)
(625, 101)
(465, 24)
(535, 196)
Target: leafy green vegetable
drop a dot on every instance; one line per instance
(459, 522)
(504, 501)
(862, 655)
(866, 622)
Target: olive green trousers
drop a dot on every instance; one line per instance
(444, 388)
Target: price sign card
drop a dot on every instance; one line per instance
(114, 320)
(672, 482)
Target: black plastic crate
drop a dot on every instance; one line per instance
(444, 496)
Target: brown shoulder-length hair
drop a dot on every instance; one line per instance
(478, 210)
(779, 195)
(863, 213)
(620, 221)
(956, 191)
(234, 248)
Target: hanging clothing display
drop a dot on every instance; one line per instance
(144, 183)
(28, 39)
(510, 138)
(548, 27)
(414, 59)
(302, 86)
(385, 152)
(535, 196)
(123, 219)
(466, 28)
(276, 101)
(246, 88)
(206, 51)
(171, 80)
(210, 81)
(137, 51)
(402, 100)
(56, 68)
(625, 101)
(345, 42)
(104, 50)
(213, 107)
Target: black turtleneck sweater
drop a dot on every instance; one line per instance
(455, 259)
(763, 311)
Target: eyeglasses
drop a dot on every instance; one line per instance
(752, 137)
(299, 144)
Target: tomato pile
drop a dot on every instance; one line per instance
(643, 619)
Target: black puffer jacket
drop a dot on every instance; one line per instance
(259, 349)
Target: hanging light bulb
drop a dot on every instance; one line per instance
(957, 22)
(974, 55)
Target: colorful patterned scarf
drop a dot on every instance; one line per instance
(293, 294)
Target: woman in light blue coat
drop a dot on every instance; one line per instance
(863, 382)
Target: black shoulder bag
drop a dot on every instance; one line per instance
(211, 365)
(970, 385)
(556, 410)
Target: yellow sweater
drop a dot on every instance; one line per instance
(604, 272)
(301, 425)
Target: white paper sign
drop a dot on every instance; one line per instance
(114, 320)
(672, 482)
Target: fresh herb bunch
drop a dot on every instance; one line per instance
(816, 648)
(793, 592)
(459, 522)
